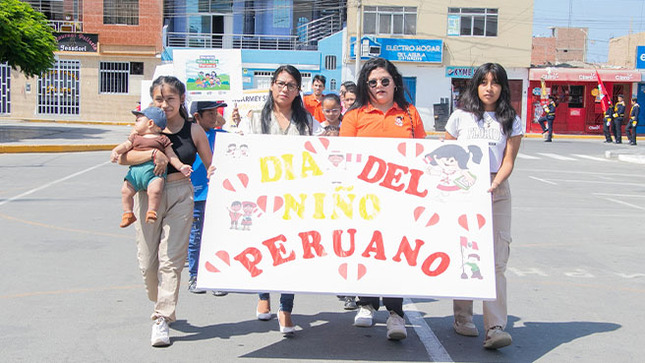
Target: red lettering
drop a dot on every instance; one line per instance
(311, 241)
(443, 264)
(369, 165)
(393, 175)
(413, 188)
(249, 258)
(338, 245)
(410, 254)
(376, 246)
(278, 251)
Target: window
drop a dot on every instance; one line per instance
(478, 22)
(59, 89)
(332, 84)
(114, 77)
(5, 88)
(136, 68)
(262, 79)
(122, 12)
(330, 62)
(390, 20)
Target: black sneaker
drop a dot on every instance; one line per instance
(350, 303)
(192, 286)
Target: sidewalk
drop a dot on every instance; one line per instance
(23, 136)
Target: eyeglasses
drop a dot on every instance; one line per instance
(384, 82)
(290, 86)
(332, 110)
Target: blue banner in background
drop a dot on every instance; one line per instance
(640, 57)
(400, 50)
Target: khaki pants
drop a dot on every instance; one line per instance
(495, 313)
(162, 246)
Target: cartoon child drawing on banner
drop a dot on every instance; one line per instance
(451, 163)
(234, 213)
(231, 150)
(470, 258)
(247, 220)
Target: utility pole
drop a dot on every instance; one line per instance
(357, 45)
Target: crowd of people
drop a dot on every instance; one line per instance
(174, 149)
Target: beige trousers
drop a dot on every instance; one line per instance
(495, 313)
(162, 246)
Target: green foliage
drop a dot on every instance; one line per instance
(26, 40)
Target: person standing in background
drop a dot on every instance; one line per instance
(608, 124)
(633, 121)
(206, 115)
(546, 121)
(619, 114)
(313, 102)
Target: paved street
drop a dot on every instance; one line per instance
(71, 289)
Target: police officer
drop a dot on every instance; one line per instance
(619, 114)
(607, 124)
(633, 122)
(546, 121)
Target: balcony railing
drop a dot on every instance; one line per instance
(230, 41)
(66, 26)
(310, 33)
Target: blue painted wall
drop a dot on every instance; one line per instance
(332, 45)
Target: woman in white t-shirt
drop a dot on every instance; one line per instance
(486, 113)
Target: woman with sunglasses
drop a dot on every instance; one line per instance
(283, 114)
(381, 110)
(485, 113)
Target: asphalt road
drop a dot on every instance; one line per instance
(71, 289)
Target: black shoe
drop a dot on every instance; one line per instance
(608, 142)
(619, 142)
(192, 286)
(350, 303)
(547, 140)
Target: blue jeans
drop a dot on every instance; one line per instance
(286, 301)
(195, 241)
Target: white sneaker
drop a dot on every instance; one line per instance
(364, 316)
(497, 338)
(467, 329)
(160, 337)
(396, 327)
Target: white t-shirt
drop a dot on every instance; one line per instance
(464, 126)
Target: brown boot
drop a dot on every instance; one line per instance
(127, 219)
(151, 216)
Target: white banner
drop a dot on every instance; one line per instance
(349, 216)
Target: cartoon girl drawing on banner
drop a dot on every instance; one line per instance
(451, 163)
(247, 220)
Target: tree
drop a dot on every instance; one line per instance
(26, 40)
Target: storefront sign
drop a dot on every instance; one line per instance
(400, 50)
(583, 75)
(343, 215)
(460, 72)
(77, 42)
(640, 57)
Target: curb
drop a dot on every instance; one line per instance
(98, 123)
(15, 149)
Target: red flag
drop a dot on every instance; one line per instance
(602, 93)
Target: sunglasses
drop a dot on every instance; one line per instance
(384, 82)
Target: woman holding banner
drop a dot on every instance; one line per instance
(486, 113)
(283, 114)
(381, 110)
(162, 246)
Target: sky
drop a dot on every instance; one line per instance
(605, 19)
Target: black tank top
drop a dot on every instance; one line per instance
(183, 146)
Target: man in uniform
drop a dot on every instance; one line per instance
(633, 122)
(619, 114)
(546, 121)
(607, 124)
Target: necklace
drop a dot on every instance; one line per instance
(488, 119)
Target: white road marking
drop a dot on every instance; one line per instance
(620, 195)
(51, 183)
(595, 182)
(435, 349)
(595, 158)
(527, 157)
(557, 157)
(543, 180)
(624, 203)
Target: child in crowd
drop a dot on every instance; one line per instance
(146, 136)
(331, 110)
(349, 96)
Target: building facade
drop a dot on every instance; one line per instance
(437, 44)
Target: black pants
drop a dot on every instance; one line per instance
(630, 130)
(391, 303)
(606, 129)
(618, 123)
(549, 125)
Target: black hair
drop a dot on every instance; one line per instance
(334, 97)
(351, 88)
(456, 151)
(347, 84)
(300, 115)
(362, 95)
(470, 101)
(175, 84)
(321, 78)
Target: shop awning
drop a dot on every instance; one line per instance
(584, 75)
